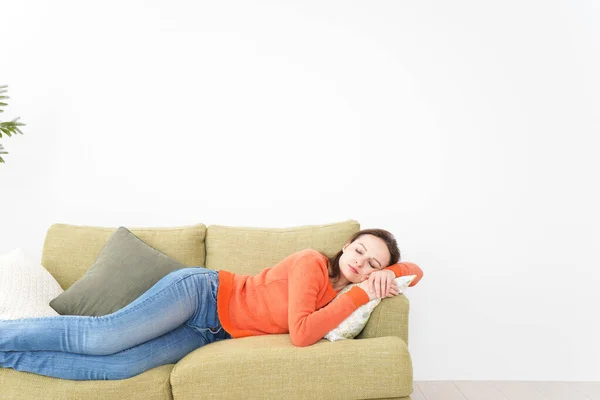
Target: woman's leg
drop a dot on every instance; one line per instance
(166, 349)
(167, 305)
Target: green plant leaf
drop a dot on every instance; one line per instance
(6, 131)
(7, 128)
(2, 151)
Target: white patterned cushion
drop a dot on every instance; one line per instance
(355, 323)
(26, 288)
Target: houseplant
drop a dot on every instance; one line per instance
(7, 128)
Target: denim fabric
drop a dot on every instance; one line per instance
(174, 317)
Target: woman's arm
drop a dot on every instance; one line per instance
(307, 283)
(406, 268)
(381, 282)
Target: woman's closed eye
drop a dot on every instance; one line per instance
(371, 264)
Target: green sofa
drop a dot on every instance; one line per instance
(376, 365)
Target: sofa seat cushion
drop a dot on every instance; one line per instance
(151, 385)
(270, 367)
(250, 250)
(69, 250)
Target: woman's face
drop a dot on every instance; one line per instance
(366, 254)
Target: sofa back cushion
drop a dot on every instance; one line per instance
(69, 250)
(249, 250)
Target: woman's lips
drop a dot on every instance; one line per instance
(353, 269)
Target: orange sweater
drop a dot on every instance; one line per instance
(293, 296)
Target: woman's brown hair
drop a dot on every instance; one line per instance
(387, 237)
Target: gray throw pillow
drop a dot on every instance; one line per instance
(125, 269)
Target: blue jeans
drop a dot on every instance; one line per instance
(174, 317)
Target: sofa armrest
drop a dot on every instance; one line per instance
(389, 318)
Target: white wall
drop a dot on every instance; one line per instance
(469, 129)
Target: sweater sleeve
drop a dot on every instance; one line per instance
(407, 268)
(307, 324)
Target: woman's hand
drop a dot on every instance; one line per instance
(380, 284)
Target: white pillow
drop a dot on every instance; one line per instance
(354, 324)
(26, 287)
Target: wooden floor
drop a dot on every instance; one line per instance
(505, 390)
